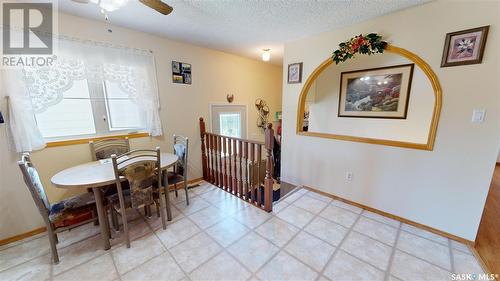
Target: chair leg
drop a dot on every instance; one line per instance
(94, 215)
(53, 243)
(186, 190)
(123, 214)
(56, 238)
(166, 193)
(158, 206)
(161, 211)
(175, 188)
(114, 219)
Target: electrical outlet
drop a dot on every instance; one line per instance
(349, 176)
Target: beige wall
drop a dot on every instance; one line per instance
(324, 110)
(215, 74)
(445, 188)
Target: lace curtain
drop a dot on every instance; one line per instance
(134, 71)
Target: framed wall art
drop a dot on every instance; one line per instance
(295, 73)
(464, 47)
(376, 93)
(181, 72)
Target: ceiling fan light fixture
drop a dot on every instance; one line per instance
(110, 5)
(266, 54)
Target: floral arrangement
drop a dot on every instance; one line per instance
(367, 45)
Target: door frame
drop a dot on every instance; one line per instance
(227, 104)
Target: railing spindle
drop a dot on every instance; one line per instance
(240, 181)
(224, 168)
(268, 184)
(208, 151)
(247, 180)
(259, 157)
(203, 155)
(252, 178)
(219, 145)
(229, 157)
(214, 158)
(235, 159)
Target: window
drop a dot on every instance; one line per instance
(122, 113)
(229, 120)
(88, 110)
(230, 124)
(73, 116)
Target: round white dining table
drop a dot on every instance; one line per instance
(98, 174)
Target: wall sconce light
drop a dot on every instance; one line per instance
(266, 55)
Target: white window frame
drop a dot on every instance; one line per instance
(97, 93)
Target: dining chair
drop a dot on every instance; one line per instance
(142, 170)
(104, 148)
(179, 174)
(63, 215)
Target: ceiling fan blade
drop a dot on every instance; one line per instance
(158, 5)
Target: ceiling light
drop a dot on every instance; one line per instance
(110, 5)
(266, 55)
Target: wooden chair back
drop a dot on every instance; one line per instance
(103, 149)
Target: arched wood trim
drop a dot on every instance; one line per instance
(436, 86)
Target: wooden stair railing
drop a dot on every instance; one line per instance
(236, 166)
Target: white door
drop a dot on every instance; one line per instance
(229, 120)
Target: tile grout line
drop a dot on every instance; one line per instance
(202, 230)
(166, 248)
(282, 248)
(400, 222)
(253, 230)
(393, 253)
(338, 248)
(452, 257)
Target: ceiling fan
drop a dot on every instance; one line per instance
(111, 5)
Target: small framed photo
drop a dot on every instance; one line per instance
(295, 73)
(464, 47)
(181, 72)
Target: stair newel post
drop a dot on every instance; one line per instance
(203, 152)
(268, 184)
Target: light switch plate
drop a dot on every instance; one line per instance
(478, 115)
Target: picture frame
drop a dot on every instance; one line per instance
(464, 47)
(382, 92)
(295, 73)
(181, 73)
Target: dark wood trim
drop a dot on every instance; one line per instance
(447, 42)
(22, 236)
(411, 65)
(398, 218)
(481, 262)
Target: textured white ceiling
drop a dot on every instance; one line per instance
(243, 27)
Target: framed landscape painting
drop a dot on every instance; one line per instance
(376, 93)
(464, 47)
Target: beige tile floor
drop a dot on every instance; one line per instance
(219, 237)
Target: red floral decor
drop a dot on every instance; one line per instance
(367, 45)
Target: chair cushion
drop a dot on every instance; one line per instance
(72, 210)
(174, 178)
